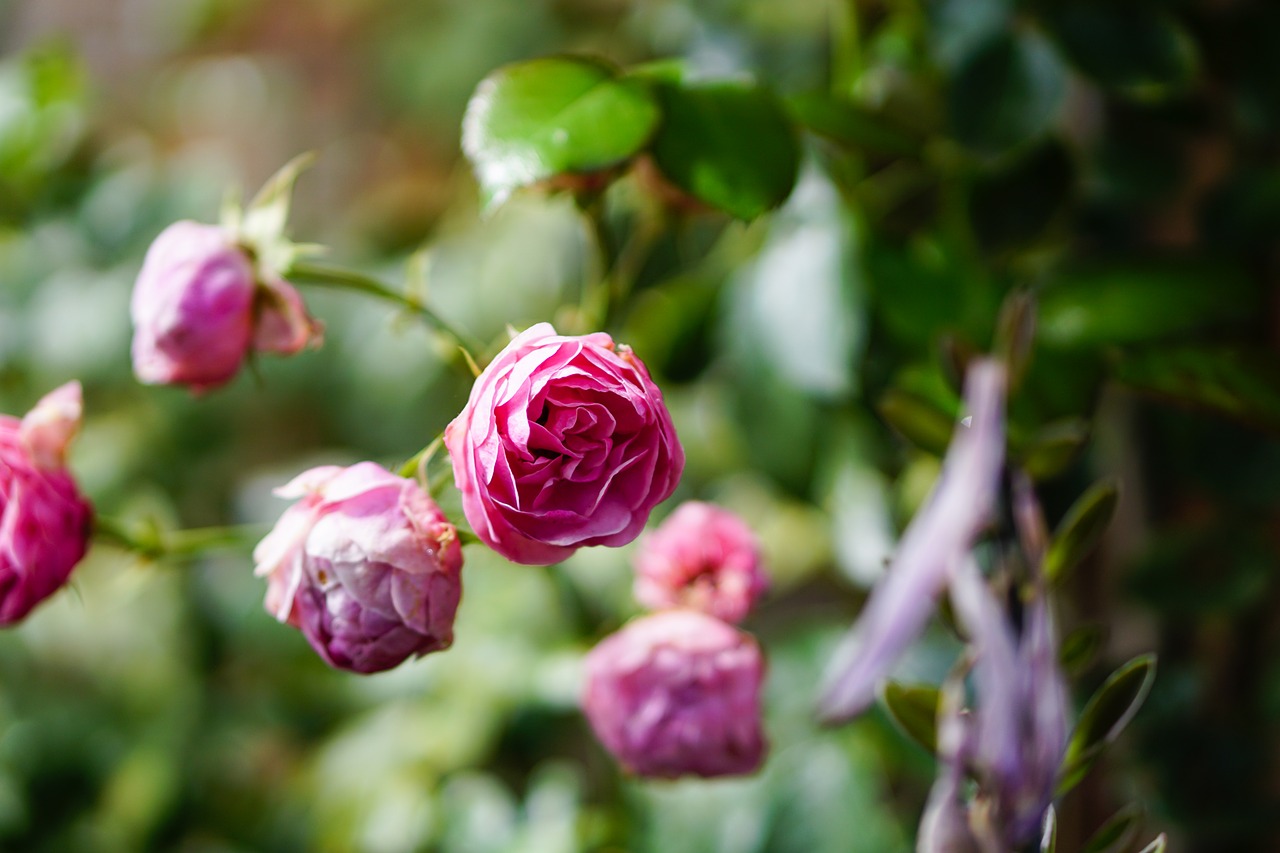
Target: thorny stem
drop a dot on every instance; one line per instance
(344, 279)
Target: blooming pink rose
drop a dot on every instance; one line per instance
(198, 309)
(44, 521)
(675, 693)
(565, 442)
(702, 557)
(365, 565)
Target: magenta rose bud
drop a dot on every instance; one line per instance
(565, 442)
(199, 308)
(44, 521)
(704, 558)
(365, 565)
(677, 693)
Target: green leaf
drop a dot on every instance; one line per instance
(554, 117)
(1081, 528)
(1051, 449)
(1240, 384)
(1080, 647)
(914, 709)
(852, 125)
(1131, 303)
(1105, 716)
(1016, 204)
(1015, 333)
(918, 419)
(1117, 833)
(1136, 49)
(728, 144)
(1006, 93)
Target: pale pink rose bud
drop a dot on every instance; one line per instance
(44, 521)
(565, 442)
(702, 557)
(198, 309)
(365, 565)
(677, 693)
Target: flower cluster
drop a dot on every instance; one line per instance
(677, 692)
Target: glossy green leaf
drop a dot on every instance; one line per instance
(914, 709)
(1081, 529)
(1135, 48)
(554, 117)
(1105, 716)
(1130, 303)
(1006, 93)
(1118, 833)
(1049, 451)
(1240, 384)
(1080, 648)
(730, 145)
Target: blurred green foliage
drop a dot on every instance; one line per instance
(1115, 160)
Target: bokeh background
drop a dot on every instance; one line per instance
(1120, 159)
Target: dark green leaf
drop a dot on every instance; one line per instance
(1081, 528)
(1117, 833)
(557, 116)
(728, 144)
(1007, 93)
(1050, 450)
(914, 708)
(918, 419)
(852, 125)
(1108, 711)
(1135, 48)
(1014, 205)
(1080, 647)
(1240, 384)
(1130, 303)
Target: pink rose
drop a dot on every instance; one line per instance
(44, 521)
(676, 693)
(365, 565)
(198, 309)
(702, 557)
(565, 442)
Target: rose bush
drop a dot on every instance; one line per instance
(564, 442)
(365, 565)
(199, 307)
(702, 557)
(44, 521)
(677, 693)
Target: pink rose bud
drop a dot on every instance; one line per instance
(44, 521)
(702, 557)
(365, 565)
(675, 693)
(565, 442)
(199, 309)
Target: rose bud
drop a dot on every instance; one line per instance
(44, 521)
(199, 307)
(675, 693)
(365, 565)
(702, 557)
(565, 442)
